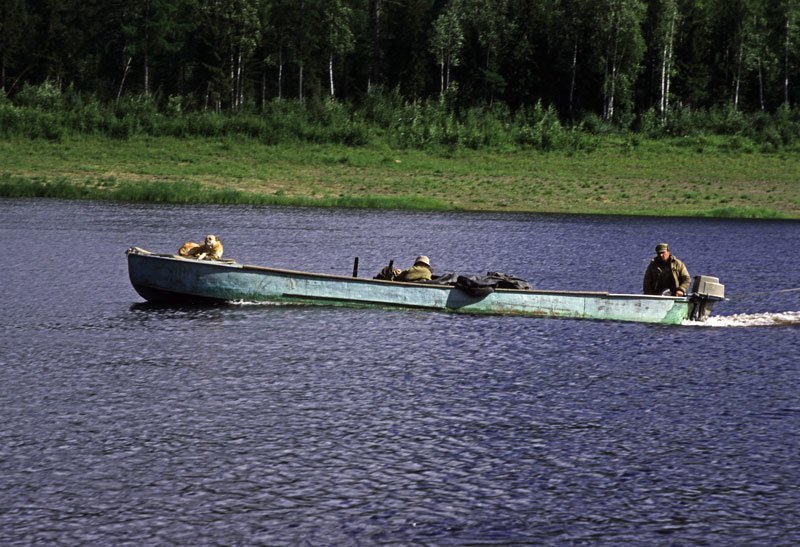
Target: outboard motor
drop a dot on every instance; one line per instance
(706, 291)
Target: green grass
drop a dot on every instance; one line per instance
(192, 192)
(657, 178)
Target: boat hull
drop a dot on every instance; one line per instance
(173, 279)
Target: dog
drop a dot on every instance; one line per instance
(211, 249)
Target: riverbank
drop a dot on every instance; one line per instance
(698, 176)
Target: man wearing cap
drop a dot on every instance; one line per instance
(666, 273)
(420, 271)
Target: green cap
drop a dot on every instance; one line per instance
(662, 247)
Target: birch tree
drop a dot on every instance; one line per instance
(232, 30)
(574, 21)
(790, 15)
(302, 22)
(376, 21)
(742, 35)
(145, 30)
(668, 20)
(278, 32)
(244, 37)
(623, 49)
(757, 56)
(339, 39)
(446, 44)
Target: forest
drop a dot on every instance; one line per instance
(433, 71)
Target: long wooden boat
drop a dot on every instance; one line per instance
(167, 278)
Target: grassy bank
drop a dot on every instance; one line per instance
(697, 176)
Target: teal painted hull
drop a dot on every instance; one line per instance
(172, 279)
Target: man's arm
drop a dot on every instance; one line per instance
(684, 279)
(647, 283)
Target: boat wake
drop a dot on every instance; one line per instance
(267, 303)
(776, 319)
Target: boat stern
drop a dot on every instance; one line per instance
(706, 291)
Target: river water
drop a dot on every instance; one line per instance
(252, 424)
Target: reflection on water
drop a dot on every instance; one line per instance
(125, 422)
(779, 319)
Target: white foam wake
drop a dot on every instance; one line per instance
(777, 319)
(265, 303)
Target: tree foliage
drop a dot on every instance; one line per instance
(616, 59)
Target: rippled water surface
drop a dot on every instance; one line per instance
(124, 423)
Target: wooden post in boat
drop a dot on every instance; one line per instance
(355, 267)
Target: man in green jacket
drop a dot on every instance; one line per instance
(421, 270)
(666, 273)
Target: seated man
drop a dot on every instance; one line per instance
(666, 274)
(420, 271)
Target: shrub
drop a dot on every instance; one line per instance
(140, 105)
(381, 107)
(650, 124)
(9, 119)
(88, 117)
(121, 128)
(595, 125)
(45, 96)
(43, 111)
(787, 122)
(539, 128)
(682, 122)
(726, 120)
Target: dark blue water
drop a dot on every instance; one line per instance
(257, 424)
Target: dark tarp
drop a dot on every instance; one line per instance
(480, 285)
(475, 285)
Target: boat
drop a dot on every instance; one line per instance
(172, 279)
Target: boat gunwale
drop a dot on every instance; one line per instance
(350, 279)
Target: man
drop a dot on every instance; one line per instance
(421, 270)
(666, 273)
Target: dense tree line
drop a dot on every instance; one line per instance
(613, 59)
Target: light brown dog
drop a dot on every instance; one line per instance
(211, 249)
